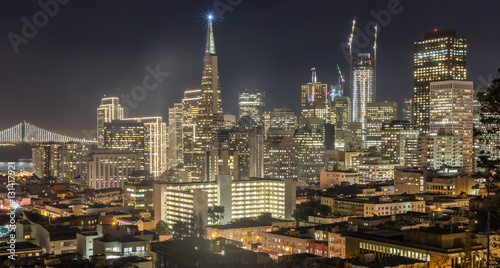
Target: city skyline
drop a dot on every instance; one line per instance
(159, 99)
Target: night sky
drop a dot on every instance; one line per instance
(91, 48)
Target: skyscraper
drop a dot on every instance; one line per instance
(451, 109)
(280, 118)
(342, 107)
(210, 114)
(125, 135)
(155, 144)
(363, 88)
(280, 156)
(408, 110)
(190, 111)
(315, 103)
(252, 104)
(378, 113)
(440, 56)
(310, 153)
(400, 143)
(175, 152)
(109, 110)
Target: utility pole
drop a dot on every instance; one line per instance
(488, 223)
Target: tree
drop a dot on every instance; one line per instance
(488, 133)
(302, 213)
(215, 214)
(181, 230)
(323, 210)
(162, 228)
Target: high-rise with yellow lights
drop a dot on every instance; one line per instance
(210, 115)
(315, 102)
(440, 56)
(109, 110)
(451, 108)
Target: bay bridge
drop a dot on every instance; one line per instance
(28, 133)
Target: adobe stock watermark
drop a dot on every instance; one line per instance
(11, 195)
(484, 82)
(363, 37)
(139, 93)
(30, 28)
(221, 6)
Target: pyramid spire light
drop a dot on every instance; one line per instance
(210, 49)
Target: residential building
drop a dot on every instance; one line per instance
(248, 232)
(372, 206)
(287, 242)
(332, 178)
(375, 170)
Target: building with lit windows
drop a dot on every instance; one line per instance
(439, 247)
(378, 113)
(400, 143)
(451, 109)
(280, 155)
(342, 108)
(109, 110)
(247, 139)
(110, 169)
(452, 184)
(59, 160)
(210, 116)
(287, 242)
(440, 150)
(222, 161)
(314, 99)
(408, 110)
(125, 135)
(190, 111)
(280, 118)
(332, 178)
(175, 143)
(310, 153)
(155, 144)
(230, 121)
(247, 232)
(189, 207)
(440, 56)
(375, 170)
(372, 206)
(410, 181)
(138, 195)
(252, 104)
(240, 199)
(363, 88)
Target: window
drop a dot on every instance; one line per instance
(129, 249)
(142, 248)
